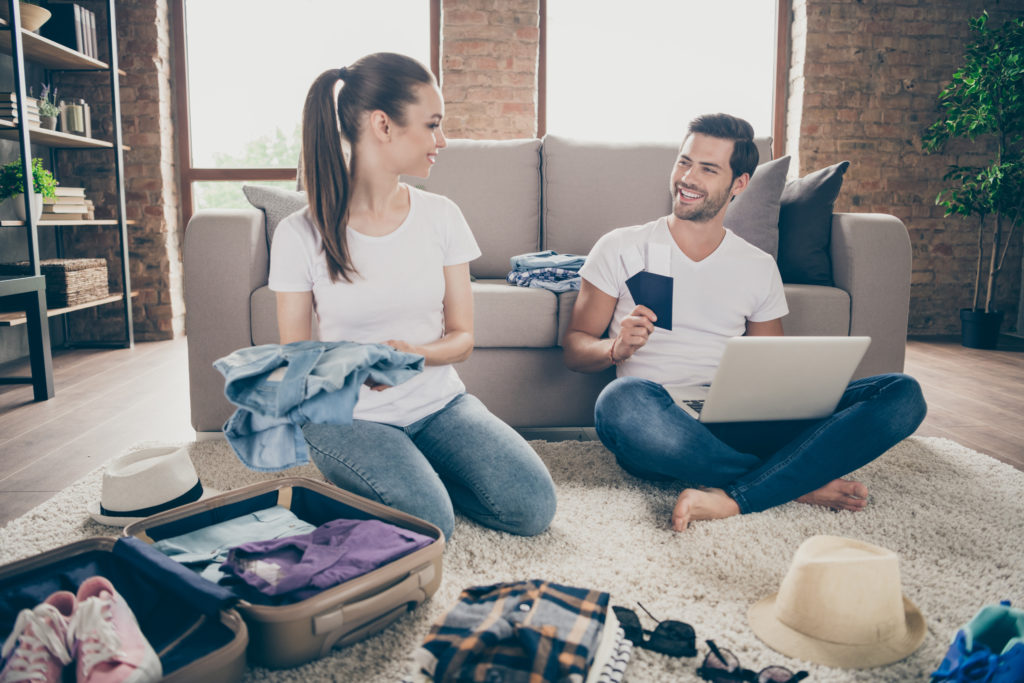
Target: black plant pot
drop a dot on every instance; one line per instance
(980, 330)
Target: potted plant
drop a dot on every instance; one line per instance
(12, 185)
(48, 108)
(984, 103)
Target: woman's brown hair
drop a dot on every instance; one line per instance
(384, 81)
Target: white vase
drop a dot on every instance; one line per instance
(18, 204)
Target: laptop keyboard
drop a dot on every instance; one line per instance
(696, 403)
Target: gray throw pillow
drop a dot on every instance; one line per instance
(754, 214)
(277, 204)
(805, 226)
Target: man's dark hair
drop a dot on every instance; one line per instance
(744, 152)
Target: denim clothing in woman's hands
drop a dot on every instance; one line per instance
(280, 387)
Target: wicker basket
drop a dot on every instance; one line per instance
(69, 281)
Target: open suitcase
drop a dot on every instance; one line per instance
(167, 599)
(286, 635)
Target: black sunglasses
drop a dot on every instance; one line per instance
(673, 638)
(722, 666)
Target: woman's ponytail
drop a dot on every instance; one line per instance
(326, 172)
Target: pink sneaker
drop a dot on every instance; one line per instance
(108, 642)
(37, 649)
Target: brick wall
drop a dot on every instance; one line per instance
(489, 68)
(150, 176)
(863, 85)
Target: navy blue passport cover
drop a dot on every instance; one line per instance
(655, 292)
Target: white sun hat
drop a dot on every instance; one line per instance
(145, 482)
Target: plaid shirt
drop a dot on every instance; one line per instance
(524, 632)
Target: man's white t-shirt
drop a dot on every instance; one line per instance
(396, 293)
(712, 299)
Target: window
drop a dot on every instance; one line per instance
(642, 70)
(248, 65)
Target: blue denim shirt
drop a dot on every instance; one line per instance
(207, 547)
(280, 387)
(546, 259)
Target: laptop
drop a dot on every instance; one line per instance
(775, 378)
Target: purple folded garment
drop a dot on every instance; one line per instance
(335, 552)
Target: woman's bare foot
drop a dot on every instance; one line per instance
(838, 494)
(697, 504)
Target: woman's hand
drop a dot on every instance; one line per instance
(404, 346)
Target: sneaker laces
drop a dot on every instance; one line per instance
(39, 640)
(978, 667)
(92, 629)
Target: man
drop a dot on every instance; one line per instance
(723, 287)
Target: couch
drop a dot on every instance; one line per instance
(522, 196)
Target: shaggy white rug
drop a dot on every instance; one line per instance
(954, 516)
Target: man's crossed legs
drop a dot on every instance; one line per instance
(743, 467)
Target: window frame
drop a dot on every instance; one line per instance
(780, 88)
(187, 172)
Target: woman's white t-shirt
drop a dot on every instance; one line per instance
(712, 300)
(397, 292)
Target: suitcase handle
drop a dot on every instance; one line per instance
(410, 589)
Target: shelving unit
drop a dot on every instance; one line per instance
(27, 294)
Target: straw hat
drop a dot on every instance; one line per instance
(840, 605)
(144, 483)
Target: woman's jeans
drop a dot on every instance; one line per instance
(461, 457)
(758, 464)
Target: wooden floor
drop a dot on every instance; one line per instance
(108, 400)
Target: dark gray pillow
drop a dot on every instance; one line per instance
(754, 214)
(805, 226)
(277, 204)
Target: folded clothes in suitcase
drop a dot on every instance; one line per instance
(188, 622)
(291, 633)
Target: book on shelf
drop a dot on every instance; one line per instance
(91, 40)
(12, 97)
(64, 217)
(77, 201)
(64, 208)
(68, 26)
(65, 191)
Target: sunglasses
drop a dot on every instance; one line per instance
(722, 666)
(673, 638)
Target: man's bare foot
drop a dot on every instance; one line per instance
(697, 504)
(839, 494)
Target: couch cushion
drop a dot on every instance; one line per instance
(496, 183)
(816, 310)
(566, 300)
(263, 316)
(505, 315)
(754, 213)
(805, 226)
(277, 204)
(593, 187)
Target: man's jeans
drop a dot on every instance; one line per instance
(461, 457)
(758, 464)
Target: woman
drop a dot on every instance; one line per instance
(382, 262)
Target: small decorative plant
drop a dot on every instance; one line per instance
(12, 179)
(985, 102)
(48, 101)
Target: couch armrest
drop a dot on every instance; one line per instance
(871, 260)
(225, 259)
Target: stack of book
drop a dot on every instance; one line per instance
(72, 25)
(70, 204)
(9, 108)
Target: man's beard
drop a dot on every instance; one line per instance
(703, 212)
